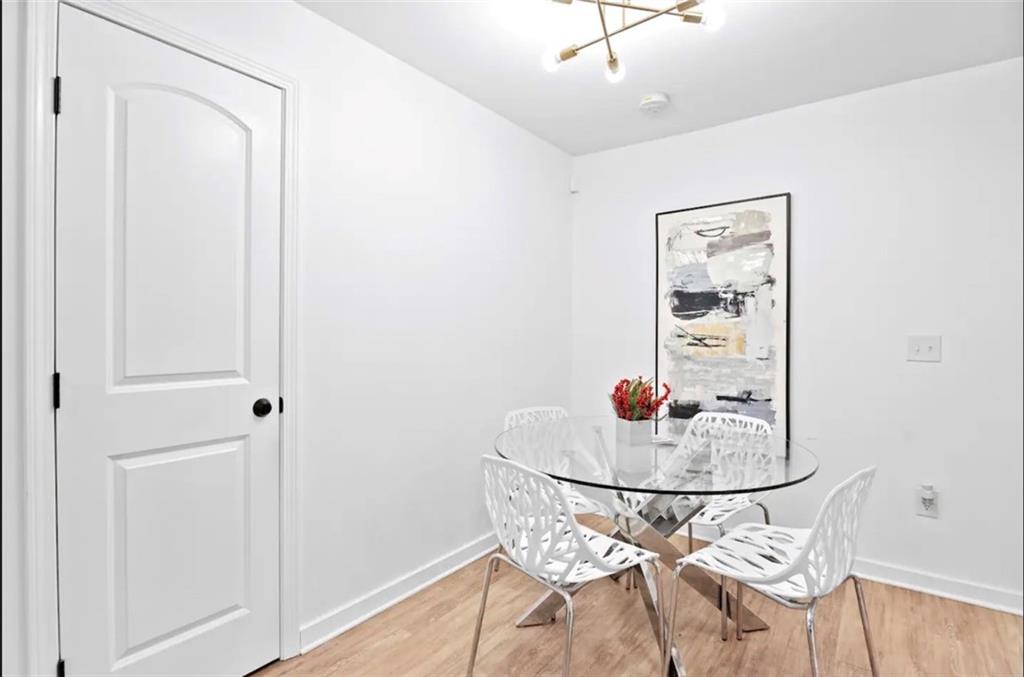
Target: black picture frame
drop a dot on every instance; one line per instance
(789, 279)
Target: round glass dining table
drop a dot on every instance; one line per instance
(651, 483)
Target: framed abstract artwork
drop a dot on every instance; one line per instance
(722, 320)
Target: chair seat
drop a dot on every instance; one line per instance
(722, 508)
(795, 567)
(757, 551)
(535, 523)
(617, 556)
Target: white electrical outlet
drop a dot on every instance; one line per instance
(924, 349)
(927, 501)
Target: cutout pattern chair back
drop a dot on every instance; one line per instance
(534, 522)
(736, 442)
(539, 433)
(706, 421)
(533, 415)
(712, 427)
(827, 557)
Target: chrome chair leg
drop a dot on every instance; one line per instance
(488, 570)
(764, 509)
(568, 635)
(739, 610)
(810, 637)
(724, 597)
(689, 538)
(867, 628)
(724, 603)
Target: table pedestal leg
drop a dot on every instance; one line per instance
(649, 538)
(651, 592)
(542, 611)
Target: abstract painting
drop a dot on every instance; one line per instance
(723, 310)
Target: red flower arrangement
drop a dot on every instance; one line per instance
(633, 400)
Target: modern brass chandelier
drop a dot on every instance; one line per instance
(708, 13)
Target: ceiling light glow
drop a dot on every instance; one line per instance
(614, 70)
(713, 15)
(550, 61)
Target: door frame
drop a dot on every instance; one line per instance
(42, 631)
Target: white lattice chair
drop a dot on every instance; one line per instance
(518, 417)
(794, 567)
(581, 505)
(535, 526)
(718, 429)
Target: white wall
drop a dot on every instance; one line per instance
(906, 219)
(434, 241)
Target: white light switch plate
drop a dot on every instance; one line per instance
(924, 349)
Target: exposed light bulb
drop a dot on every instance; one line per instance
(550, 61)
(712, 15)
(615, 70)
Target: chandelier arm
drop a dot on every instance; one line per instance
(678, 7)
(604, 29)
(643, 8)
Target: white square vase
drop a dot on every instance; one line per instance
(634, 433)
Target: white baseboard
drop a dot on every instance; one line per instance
(347, 616)
(1000, 599)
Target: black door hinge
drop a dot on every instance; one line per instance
(280, 404)
(60, 668)
(56, 390)
(56, 95)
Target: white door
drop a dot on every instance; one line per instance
(168, 230)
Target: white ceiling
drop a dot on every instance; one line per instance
(771, 54)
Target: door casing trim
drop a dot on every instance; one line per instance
(41, 630)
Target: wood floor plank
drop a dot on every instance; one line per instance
(428, 635)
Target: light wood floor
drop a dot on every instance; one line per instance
(429, 634)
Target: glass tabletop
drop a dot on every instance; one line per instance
(598, 451)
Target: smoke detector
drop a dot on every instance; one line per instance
(654, 103)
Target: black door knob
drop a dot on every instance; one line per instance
(262, 407)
